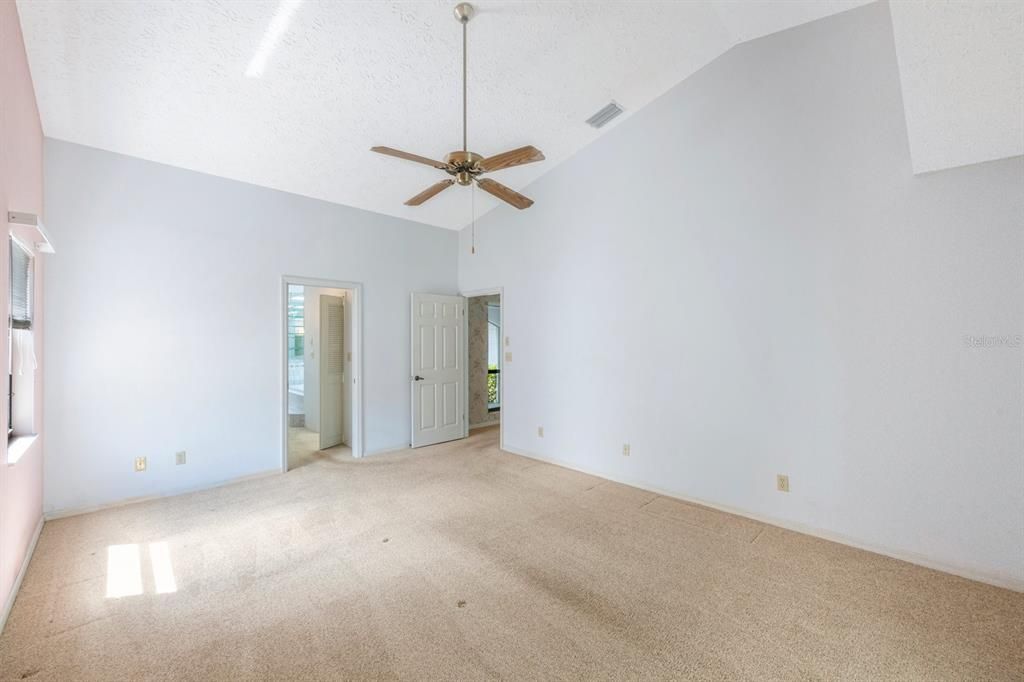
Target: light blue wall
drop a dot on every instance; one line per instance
(163, 318)
(745, 279)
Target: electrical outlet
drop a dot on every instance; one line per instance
(782, 483)
(625, 449)
(140, 463)
(179, 457)
(540, 431)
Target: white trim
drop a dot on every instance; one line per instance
(78, 511)
(357, 445)
(18, 446)
(996, 579)
(9, 604)
(25, 246)
(388, 451)
(31, 222)
(490, 291)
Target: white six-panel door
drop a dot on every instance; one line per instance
(332, 370)
(438, 367)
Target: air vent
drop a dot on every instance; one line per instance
(601, 118)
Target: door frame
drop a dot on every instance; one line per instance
(357, 444)
(490, 291)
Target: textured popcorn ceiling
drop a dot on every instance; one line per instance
(166, 81)
(962, 73)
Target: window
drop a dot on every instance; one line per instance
(296, 338)
(21, 359)
(21, 286)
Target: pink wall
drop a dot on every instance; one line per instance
(21, 189)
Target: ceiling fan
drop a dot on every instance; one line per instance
(465, 166)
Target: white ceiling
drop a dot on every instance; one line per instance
(962, 72)
(166, 81)
(749, 19)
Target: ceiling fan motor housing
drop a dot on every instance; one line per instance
(464, 166)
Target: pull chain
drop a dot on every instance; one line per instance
(472, 230)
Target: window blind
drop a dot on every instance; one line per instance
(21, 287)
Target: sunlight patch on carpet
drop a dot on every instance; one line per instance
(124, 570)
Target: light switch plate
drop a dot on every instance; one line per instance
(179, 457)
(140, 463)
(508, 356)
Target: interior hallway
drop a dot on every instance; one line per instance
(460, 561)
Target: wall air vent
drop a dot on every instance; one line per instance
(601, 118)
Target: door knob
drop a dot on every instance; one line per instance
(417, 378)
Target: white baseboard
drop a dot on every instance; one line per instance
(387, 451)
(998, 580)
(78, 511)
(9, 604)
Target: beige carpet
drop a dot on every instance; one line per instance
(461, 562)
(304, 448)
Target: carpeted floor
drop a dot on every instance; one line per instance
(304, 448)
(462, 562)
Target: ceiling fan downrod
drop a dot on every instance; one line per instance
(463, 13)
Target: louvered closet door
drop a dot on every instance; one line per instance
(332, 370)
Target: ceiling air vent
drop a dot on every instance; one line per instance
(601, 118)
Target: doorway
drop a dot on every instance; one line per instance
(322, 387)
(459, 356)
(484, 341)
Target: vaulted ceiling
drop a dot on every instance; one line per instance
(167, 82)
(962, 72)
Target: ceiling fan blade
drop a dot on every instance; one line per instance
(430, 192)
(516, 157)
(507, 195)
(409, 157)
